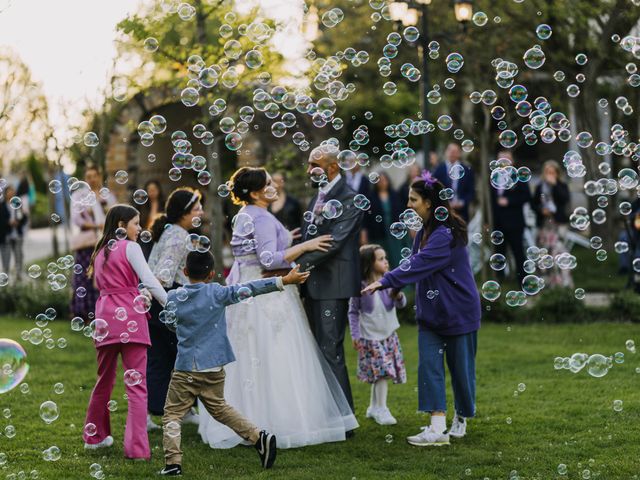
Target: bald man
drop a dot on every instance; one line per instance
(335, 274)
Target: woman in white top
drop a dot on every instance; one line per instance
(167, 261)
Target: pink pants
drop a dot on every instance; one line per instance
(134, 356)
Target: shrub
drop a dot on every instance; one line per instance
(558, 305)
(625, 305)
(499, 311)
(29, 299)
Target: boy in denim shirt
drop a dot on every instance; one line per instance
(203, 350)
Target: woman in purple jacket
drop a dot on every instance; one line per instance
(447, 310)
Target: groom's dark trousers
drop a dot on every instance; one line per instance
(328, 321)
(335, 277)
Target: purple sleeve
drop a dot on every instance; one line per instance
(354, 317)
(266, 236)
(435, 256)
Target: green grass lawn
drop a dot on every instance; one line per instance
(560, 418)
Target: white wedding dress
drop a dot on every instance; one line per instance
(280, 381)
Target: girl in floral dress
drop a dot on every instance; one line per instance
(373, 323)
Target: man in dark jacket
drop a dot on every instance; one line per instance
(335, 274)
(508, 217)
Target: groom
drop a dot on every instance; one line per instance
(335, 274)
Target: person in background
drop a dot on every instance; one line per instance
(358, 181)
(448, 312)
(385, 209)
(550, 202)
(150, 210)
(87, 222)
(458, 176)
(13, 225)
(413, 171)
(286, 208)
(373, 323)
(508, 218)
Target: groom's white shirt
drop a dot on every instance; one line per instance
(327, 188)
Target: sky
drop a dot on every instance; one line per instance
(68, 44)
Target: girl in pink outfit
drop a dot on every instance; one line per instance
(120, 328)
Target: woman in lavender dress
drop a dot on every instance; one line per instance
(280, 379)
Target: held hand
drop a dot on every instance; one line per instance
(322, 243)
(395, 294)
(355, 344)
(295, 233)
(295, 276)
(503, 202)
(371, 288)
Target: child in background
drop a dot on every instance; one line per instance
(203, 350)
(373, 324)
(120, 328)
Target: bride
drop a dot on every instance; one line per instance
(280, 380)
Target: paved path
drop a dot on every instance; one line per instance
(38, 244)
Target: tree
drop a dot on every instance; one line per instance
(201, 46)
(23, 110)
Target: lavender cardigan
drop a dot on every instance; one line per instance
(365, 304)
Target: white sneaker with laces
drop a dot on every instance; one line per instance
(383, 416)
(191, 417)
(151, 425)
(107, 442)
(429, 437)
(458, 427)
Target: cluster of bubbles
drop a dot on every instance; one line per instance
(597, 365)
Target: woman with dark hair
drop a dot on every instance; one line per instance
(89, 202)
(121, 330)
(149, 210)
(280, 379)
(550, 202)
(447, 310)
(385, 209)
(167, 260)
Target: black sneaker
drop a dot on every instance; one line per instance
(172, 470)
(266, 446)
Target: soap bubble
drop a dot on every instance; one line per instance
(90, 429)
(141, 304)
(99, 329)
(13, 364)
(617, 405)
(597, 365)
(534, 58)
(491, 290)
(172, 429)
(244, 294)
(441, 213)
(132, 377)
(531, 284)
(332, 209)
(361, 202)
(454, 62)
(497, 262)
(543, 31)
(49, 411)
(398, 230)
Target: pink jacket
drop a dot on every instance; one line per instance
(118, 285)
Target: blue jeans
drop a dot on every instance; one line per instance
(460, 351)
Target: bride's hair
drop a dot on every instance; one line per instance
(244, 181)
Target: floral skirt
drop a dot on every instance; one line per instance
(381, 359)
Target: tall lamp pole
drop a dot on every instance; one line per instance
(407, 12)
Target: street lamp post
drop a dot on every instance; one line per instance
(405, 12)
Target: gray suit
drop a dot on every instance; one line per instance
(334, 279)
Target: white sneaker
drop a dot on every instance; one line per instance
(107, 442)
(429, 437)
(191, 417)
(151, 425)
(458, 427)
(383, 416)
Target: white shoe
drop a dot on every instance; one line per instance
(107, 442)
(458, 427)
(191, 417)
(429, 437)
(383, 416)
(151, 425)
